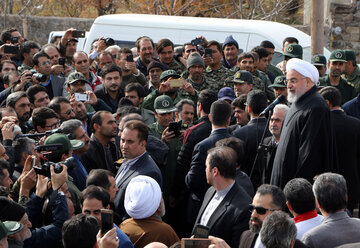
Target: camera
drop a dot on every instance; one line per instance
(108, 41)
(14, 40)
(38, 76)
(46, 151)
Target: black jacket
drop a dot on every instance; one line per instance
(94, 157)
(307, 144)
(347, 133)
(230, 218)
(251, 136)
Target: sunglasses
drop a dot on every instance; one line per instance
(260, 210)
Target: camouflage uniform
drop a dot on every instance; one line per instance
(23, 68)
(148, 102)
(218, 78)
(204, 85)
(354, 78)
(177, 66)
(346, 88)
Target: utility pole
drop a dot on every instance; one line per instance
(317, 27)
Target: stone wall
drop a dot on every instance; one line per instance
(37, 28)
(345, 26)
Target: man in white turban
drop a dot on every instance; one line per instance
(306, 145)
(144, 204)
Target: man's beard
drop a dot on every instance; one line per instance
(293, 97)
(255, 228)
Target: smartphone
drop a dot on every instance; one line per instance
(11, 49)
(197, 41)
(175, 127)
(81, 97)
(176, 83)
(208, 53)
(61, 61)
(195, 243)
(107, 221)
(14, 40)
(201, 232)
(130, 58)
(78, 34)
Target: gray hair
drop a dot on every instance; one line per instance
(22, 145)
(282, 107)
(330, 191)
(278, 230)
(69, 127)
(180, 104)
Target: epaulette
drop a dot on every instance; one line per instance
(351, 84)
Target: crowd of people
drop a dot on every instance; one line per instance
(197, 145)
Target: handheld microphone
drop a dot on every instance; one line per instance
(272, 105)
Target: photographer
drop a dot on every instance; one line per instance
(52, 83)
(18, 85)
(58, 63)
(61, 155)
(42, 236)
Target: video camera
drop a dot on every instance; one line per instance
(45, 163)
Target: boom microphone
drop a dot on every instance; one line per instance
(272, 105)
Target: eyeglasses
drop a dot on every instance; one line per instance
(55, 125)
(45, 63)
(260, 210)
(68, 112)
(292, 80)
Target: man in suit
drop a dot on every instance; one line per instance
(251, 133)
(225, 207)
(195, 180)
(337, 227)
(347, 133)
(53, 84)
(268, 198)
(137, 161)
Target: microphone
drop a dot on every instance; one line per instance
(272, 105)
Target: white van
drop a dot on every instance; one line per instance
(126, 28)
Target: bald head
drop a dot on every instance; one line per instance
(156, 245)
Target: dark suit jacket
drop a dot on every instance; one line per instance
(230, 218)
(248, 239)
(251, 136)
(347, 133)
(144, 166)
(196, 177)
(57, 84)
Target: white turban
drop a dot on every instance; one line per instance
(304, 68)
(142, 197)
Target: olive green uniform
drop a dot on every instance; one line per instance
(346, 88)
(354, 78)
(177, 66)
(277, 72)
(169, 171)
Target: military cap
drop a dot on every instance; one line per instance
(9, 227)
(318, 59)
(74, 77)
(350, 55)
(62, 139)
(168, 73)
(294, 51)
(279, 82)
(242, 77)
(163, 104)
(337, 55)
